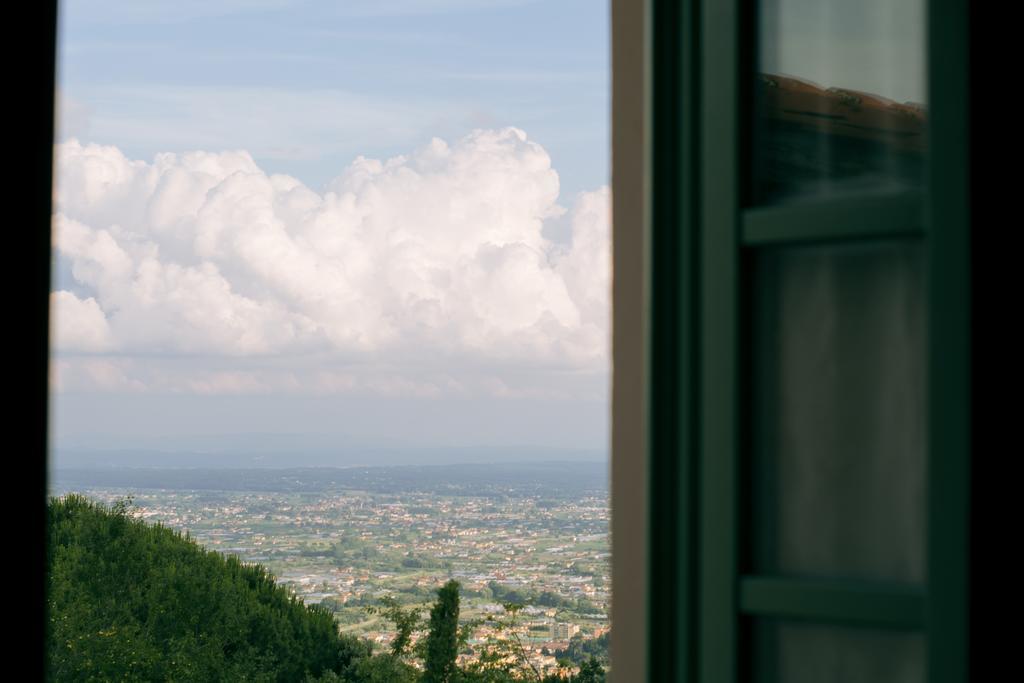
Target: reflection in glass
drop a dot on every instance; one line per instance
(838, 98)
(839, 386)
(811, 653)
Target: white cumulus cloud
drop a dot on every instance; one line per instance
(433, 260)
(80, 325)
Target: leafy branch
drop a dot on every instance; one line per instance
(406, 622)
(506, 651)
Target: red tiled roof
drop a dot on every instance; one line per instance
(840, 111)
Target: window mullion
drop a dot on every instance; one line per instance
(891, 216)
(854, 602)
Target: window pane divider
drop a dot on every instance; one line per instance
(718, 354)
(872, 603)
(879, 216)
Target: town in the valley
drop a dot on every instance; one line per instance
(345, 538)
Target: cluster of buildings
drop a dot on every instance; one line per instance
(347, 549)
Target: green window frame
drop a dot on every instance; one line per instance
(701, 237)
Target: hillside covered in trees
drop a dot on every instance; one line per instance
(132, 601)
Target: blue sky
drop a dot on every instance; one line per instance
(362, 222)
(308, 86)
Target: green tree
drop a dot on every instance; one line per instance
(443, 639)
(127, 600)
(385, 668)
(591, 671)
(505, 653)
(406, 621)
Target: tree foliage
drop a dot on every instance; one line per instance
(406, 622)
(133, 601)
(582, 650)
(442, 646)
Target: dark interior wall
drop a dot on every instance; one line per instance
(30, 86)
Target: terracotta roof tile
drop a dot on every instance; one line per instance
(842, 111)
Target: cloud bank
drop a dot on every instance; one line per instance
(422, 274)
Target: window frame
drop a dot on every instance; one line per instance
(698, 239)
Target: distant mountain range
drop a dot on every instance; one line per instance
(346, 456)
(544, 479)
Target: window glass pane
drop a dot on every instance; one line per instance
(839, 414)
(839, 98)
(789, 652)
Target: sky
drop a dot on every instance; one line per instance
(332, 226)
(875, 46)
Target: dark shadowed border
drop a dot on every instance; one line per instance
(30, 72)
